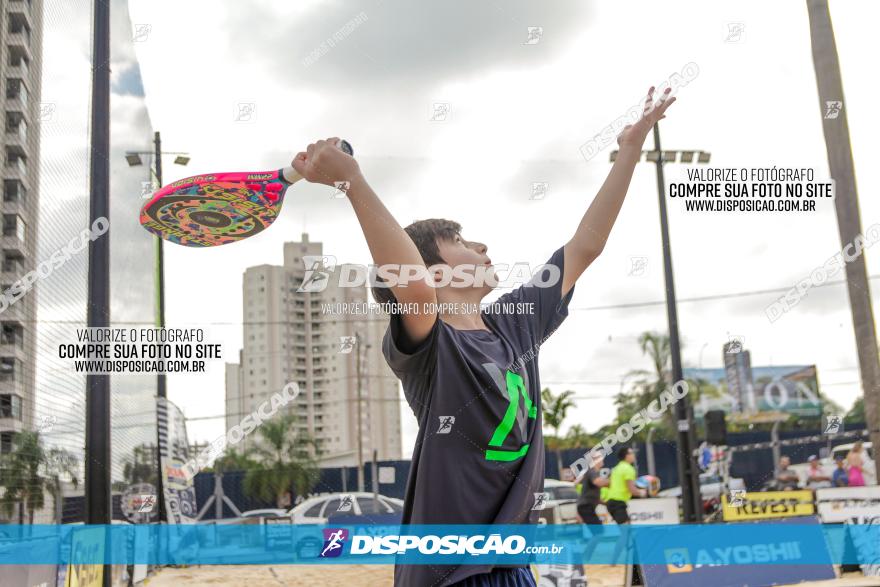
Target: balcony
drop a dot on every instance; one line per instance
(16, 129)
(18, 68)
(15, 169)
(14, 191)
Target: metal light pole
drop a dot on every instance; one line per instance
(97, 449)
(688, 468)
(360, 448)
(133, 158)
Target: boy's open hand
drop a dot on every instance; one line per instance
(324, 162)
(633, 135)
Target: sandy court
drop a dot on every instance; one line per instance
(377, 575)
(324, 575)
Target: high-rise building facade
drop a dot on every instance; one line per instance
(290, 336)
(20, 71)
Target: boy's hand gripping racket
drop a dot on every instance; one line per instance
(219, 208)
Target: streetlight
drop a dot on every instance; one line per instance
(134, 160)
(688, 469)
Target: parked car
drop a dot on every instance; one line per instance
(711, 486)
(828, 465)
(316, 510)
(560, 506)
(264, 513)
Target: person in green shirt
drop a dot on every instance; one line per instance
(622, 486)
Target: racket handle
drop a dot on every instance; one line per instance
(291, 175)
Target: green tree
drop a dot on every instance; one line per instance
(232, 460)
(30, 471)
(281, 459)
(647, 387)
(555, 408)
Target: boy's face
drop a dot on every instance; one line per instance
(470, 254)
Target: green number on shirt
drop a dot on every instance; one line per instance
(515, 388)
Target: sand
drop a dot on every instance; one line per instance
(375, 576)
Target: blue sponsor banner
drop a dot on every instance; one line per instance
(794, 542)
(740, 559)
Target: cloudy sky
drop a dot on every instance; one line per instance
(517, 114)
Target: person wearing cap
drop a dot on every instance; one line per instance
(816, 476)
(840, 478)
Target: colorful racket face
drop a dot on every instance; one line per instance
(220, 208)
(216, 209)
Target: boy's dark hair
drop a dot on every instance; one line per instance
(621, 452)
(425, 234)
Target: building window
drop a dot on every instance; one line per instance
(10, 406)
(6, 442)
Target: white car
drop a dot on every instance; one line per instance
(316, 510)
(265, 513)
(560, 506)
(711, 485)
(827, 464)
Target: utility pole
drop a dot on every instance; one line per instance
(97, 441)
(360, 439)
(133, 159)
(688, 468)
(835, 127)
(161, 390)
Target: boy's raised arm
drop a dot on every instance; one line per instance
(323, 162)
(594, 228)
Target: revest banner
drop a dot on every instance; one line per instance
(763, 505)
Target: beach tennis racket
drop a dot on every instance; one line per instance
(216, 209)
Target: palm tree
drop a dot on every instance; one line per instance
(232, 460)
(650, 383)
(29, 472)
(846, 203)
(555, 408)
(282, 459)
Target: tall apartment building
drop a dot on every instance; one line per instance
(20, 70)
(287, 337)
